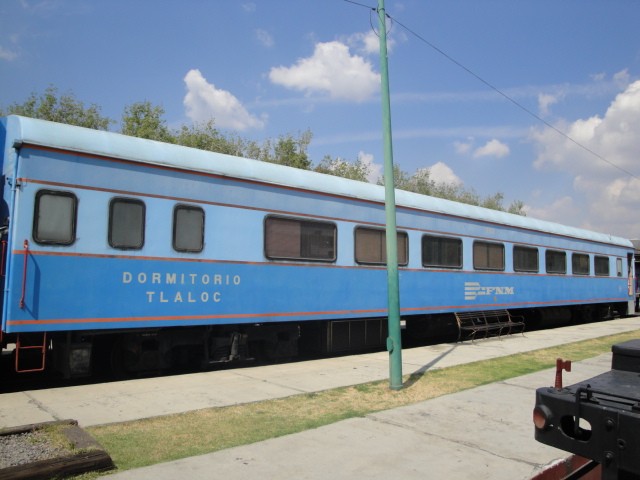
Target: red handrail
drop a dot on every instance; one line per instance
(24, 273)
(43, 353)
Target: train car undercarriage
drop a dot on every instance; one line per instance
(133, 352)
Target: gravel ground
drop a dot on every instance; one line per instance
(23, 448)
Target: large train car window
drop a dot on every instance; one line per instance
(126, 223)
(54, 220)
(293, 239)
(488, 256)
(555, 261)
(371, 246)
(601, 266)
(442, 252)
(188, 229)
(580, 264)
(525, 259)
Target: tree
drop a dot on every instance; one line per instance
(401, 179)
(205, 136)
(421, 182)
(60, 108)
(292, 152)
(341, 168)
(253, 150)
(144, 120)
(517, 207)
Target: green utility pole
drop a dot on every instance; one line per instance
(394, 342)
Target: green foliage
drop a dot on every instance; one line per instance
(205, 136)
(60, 108)
(341, 168)
(292, 151)
(144, 120)
(421, 182)
(517, 207)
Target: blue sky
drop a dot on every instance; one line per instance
(264, 68)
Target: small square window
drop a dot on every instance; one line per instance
(54, 220)
(488, 256)
(126, 223)
(580, 264)
(555, 261)
(525, 259)
(441, 252)
(371, 246)
(188, 229)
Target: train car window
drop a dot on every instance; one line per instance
(126, 223)
(580, 264)
(188, 229)
(488, 256)
(293, 239)
(54, 219)
(442, 252)
(601, 266)
(525, 259)
(619, 266)
(371, 247)
(555, 261)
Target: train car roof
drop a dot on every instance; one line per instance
(22, 130)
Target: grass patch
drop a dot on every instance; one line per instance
(54, 435)
(160, 439)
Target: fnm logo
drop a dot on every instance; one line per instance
(472, 290)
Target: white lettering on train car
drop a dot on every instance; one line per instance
(472, 290)
(188, 295)
(180, 278)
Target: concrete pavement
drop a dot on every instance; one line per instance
(133, 399)
(482, 433)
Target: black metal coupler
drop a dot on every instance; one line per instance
(599, 418)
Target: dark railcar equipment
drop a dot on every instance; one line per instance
(599, 418)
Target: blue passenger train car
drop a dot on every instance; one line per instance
(144, 255)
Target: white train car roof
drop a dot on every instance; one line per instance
(22, 130)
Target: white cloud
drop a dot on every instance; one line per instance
(371, 43)
(265, 38)
(545, 100)
(441, 173)
(557, 211)
(204, 101)
(599, 86)
(463, 148)
(368, 43)
(613, 136)
(331, 70)
(375, 169)
(493, 148)
(610, 195)
(249, 7)
(622, 78)
(7, 55)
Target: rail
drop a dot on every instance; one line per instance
(24, 273)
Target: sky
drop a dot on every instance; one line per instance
(536, 99)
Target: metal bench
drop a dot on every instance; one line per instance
(487, 322)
